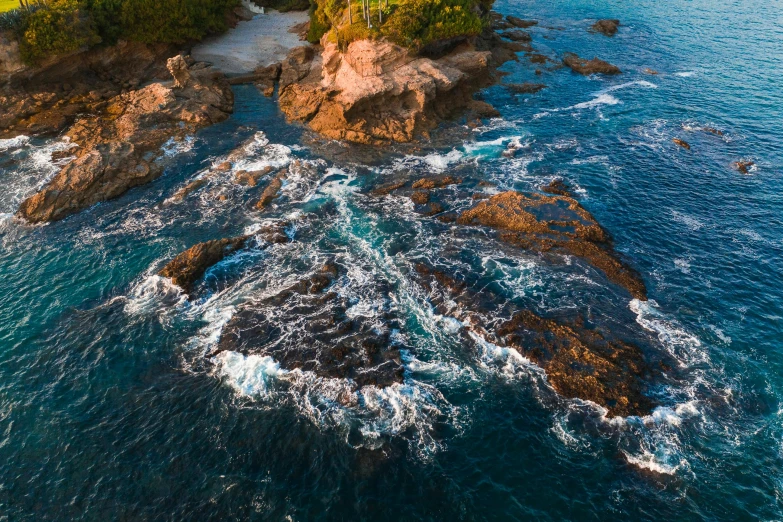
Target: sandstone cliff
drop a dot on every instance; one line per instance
(376, 92)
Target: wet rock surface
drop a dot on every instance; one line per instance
(607, 27)
(120, 147)
(525, 88)
(47, 99)
(580, 360)
(556, 223)
(586, 67)
(189, 266)
(308, 327)
(519, 22)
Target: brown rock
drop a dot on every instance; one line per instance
(580, 361)
(650, 71)
(518, 22)
(558, 187)
(713, 130)
(538, 58)
(271, 191)
(606, 27)
(517, 35)
(421, 197)
(587, 67)
(376, 92)
(436, 182)
(681, 143)
(525, 88)
(743, 166)
(250, 179)
(514, 216)
(188, 267)
(121, 147)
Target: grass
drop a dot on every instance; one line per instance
(8, 5)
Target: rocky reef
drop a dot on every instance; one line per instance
(580, 361)
(120, 147)
(306, 327)
(521, 220)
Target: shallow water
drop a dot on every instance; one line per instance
(109, 409)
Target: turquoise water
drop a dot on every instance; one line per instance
(109, 409)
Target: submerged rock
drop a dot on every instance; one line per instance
(121, 147)
(518, 22)
(743, 166)
(189, 266)
(586, 67)
(517, 35)
(525, 88)
(516, 217)
(307, 327)
(682, 143)
(606, 27)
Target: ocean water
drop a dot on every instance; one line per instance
(109, 409)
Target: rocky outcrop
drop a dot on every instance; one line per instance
(376, 92)
(574, 232)
(47, 99)
(580, 360)
(320, 335)
(606, 27)
(189, 266)
(10, 59)
(120, 148)
(587, 67)
(682, 143)
(525, 88)
(744, 166)
(519, 22)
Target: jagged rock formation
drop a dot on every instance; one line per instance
(586, 67)
(47, 99)
(120, 147)
(376, 92)
(307, 327)
(188, 267)
(573, 232)
(606, 27)
(579, 360)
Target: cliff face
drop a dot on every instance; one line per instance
(376, 92)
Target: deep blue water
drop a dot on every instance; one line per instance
(110, 411)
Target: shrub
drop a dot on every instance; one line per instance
(173, 21)
(417, 23)
(59, 29)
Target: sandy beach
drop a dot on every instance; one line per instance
(259, 42)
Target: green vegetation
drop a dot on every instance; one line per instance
(53, 27)
(414, 24)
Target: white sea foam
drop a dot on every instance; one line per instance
(650, 461)
(685, 74)
(249, 375)
(175, 147)
(684, 347)
(13, 143)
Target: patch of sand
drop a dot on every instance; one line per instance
(259, 42)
